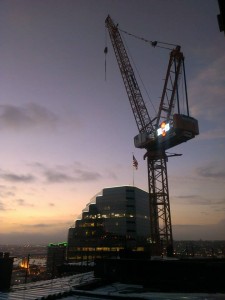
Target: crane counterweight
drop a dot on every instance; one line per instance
(181, 129)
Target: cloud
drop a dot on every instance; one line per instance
(197, 232)
(214, 170)
(198, 200)
(42, 237)
(186, 197)
(37, 233)
(83, 175)
(45, 225)
(2, 206)
(6, 192)
(217, 133)
(12, 177)
(111, 174)
(67, 174)
(41, 225)
(54, 176)
(22, 202)
(30, 115)
(207, 91)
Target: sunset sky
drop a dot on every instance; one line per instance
(66, 126)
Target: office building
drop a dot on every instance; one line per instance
(56, 255)
(115, 219)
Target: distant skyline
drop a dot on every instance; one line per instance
(67, 133)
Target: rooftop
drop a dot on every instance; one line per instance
(70, 288)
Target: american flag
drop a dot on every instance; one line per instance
(135, 163)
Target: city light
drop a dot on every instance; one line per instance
(164, 127)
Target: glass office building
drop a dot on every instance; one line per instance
(114, 220)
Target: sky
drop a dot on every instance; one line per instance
(66, 125)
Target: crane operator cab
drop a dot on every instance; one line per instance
(180, 129)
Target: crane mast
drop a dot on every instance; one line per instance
(156, 136)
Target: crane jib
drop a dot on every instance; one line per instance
(139, 109)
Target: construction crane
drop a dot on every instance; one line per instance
(166, 130)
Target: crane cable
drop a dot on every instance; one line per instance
(153, 43)
(146, 91)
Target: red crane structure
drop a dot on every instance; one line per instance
(166, 130)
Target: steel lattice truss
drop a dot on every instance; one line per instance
(137, 103)
(160, 221)
(170, 95)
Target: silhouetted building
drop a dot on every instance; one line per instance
(6, 266)
(114, 220)
(221, 16)
(56, 254)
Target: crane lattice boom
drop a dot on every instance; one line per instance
(137, 103)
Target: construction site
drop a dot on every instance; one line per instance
(158, 134)
(122, 244)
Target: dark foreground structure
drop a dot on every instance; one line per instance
(188, 275)
(6, 265)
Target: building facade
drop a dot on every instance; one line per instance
(56, 256)
(115, 219)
